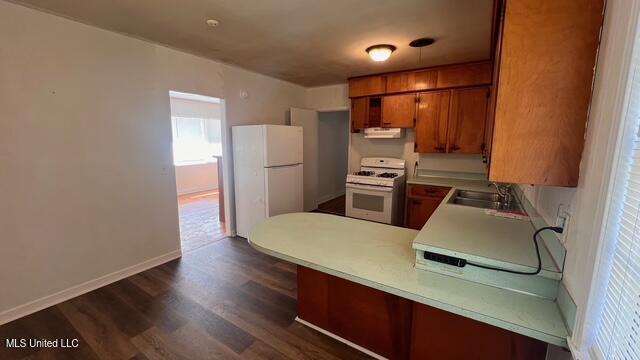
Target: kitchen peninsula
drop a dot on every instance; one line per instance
(355, 275)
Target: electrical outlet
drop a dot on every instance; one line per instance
(562, 220)
(560, 215)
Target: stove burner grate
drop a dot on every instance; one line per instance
(364, 173)
(388, 175)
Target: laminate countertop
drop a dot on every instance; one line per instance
(381, 256)
(469, 233)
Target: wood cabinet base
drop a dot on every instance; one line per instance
(397, 328)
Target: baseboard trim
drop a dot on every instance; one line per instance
(77, 290)
(342, 340)
(197, 190)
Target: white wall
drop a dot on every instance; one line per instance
(328, 98)
(453, 163)
(333, 131)
(396, 148)
(87, 184)
(196, 177)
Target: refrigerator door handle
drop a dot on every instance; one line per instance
(282, 166)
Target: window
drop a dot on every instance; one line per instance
(195, 140)
(616, 297)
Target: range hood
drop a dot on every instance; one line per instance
(383, 133)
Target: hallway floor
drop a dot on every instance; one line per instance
(334, 206)
(199, 223)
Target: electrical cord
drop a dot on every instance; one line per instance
(556, 229)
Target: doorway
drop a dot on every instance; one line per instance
(326, 151)
(197, 131)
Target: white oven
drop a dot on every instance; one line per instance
(371, 202)
(376, 191)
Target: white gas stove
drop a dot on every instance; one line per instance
(376, 191)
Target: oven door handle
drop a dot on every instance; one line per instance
(369, 187)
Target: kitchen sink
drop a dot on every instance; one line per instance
(477, 195)
(484, 200)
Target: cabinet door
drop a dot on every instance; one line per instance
(431, 124)
(464, 75)
(365, 86)
(399, 111)
(467, 117)
(411, 81)
(419, 210)
(359, 113)
(544, 90)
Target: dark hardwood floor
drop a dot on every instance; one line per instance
(334, 206)
(222, 301)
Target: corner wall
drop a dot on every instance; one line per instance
(88, 183)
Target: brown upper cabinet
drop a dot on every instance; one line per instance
(418, 80)
(366, 86)
(399, 111)
(467, 117)
(359, 113)
(546, 62)
(464, 75)
(366, 112)
(452, 121)
(432, 122)
(441, 77)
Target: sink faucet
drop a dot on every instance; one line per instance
(504, 192)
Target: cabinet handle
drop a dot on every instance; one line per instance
(386, 123)
(439, 148)
(455, 147)
(416, 202)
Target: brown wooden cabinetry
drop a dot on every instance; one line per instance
(543, 90)
(432, 121)
(422, 201)
(467, 118)
(451, 121)
(398, 328)
(399, 111)
(464, 75)
(366, 86)
(366, 112)
(418, 80)
(359, 113)
(441, 77)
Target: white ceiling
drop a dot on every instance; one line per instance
(308, 42)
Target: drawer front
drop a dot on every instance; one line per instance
(428, 191)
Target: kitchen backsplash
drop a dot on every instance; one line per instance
(451, 162)
(403, 148)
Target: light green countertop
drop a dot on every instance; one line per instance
(469, 233)
(380, 256)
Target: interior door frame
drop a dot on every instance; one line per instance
(308, 165)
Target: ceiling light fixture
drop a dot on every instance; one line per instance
(380, 52)
(213, 22)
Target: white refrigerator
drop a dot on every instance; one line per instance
(267, 171)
